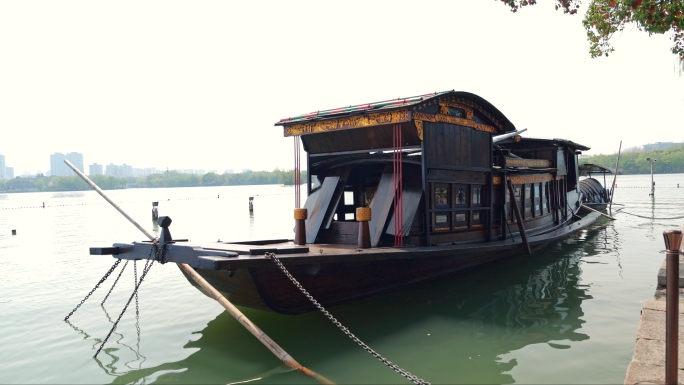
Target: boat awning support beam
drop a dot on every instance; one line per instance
(518, 217)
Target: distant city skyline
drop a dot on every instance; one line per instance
(57, 167)
(56, 163)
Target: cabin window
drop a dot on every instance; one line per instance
(527, 213)
(454, 204)
(458, 112)
(537, 199)
(460, 220)
(478, 195)
(461, 196)
(478, 218)
(442, 222)
(545, 198)
(441, 195)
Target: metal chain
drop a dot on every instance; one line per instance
(645, 217)
(346, 331)
(148, 266)
(95, 288)
(117, 280)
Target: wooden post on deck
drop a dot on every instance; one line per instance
(300, 216)
(363, 215)
(518, 217)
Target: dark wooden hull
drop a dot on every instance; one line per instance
(340, 278)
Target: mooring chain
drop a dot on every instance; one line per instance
(146, 269)
(104, 278)
(645, 217)
(346, 331)
(117, 280)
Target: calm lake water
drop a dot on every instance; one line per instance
(566, 314)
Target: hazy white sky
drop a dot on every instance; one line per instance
(199, 84)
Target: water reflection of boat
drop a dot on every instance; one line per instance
(531, 301)
(399, 192)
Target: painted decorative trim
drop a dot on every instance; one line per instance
(467, 103)
(497, 180)
(518, 162)
(453, 120)
(369, 120)
(444, 109)
(419, 127)
(523, 179)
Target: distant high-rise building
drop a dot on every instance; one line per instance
(126, 170)
(112, 170)
(229, 171)
(76, 158)
(9, 172)
(95, 169)
(2, 167)
(57, 166)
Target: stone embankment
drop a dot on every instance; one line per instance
(648, 362)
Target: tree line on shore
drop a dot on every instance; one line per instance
(668, 161)
(167, 179)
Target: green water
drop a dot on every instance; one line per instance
(566, 314)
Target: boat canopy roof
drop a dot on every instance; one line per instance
(512, 142)
(587, 169)
(409, 104)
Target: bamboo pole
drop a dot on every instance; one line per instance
(612, 189)
(590, 209)
(234, 311)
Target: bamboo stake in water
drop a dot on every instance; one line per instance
(612, 189)
(234, 311)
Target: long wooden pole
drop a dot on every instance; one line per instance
(518, 218)
(234, 311)
(590, 209)
(612, 189)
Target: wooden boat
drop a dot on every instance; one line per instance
(593, 193)
(449, 182)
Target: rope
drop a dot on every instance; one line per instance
(645, 217)
(346, 331)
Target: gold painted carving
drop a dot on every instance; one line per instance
(518, 162)
(419, 126)
(368, 120)
(537, 178)
(497, 180)
(444, 109)
(454, 120)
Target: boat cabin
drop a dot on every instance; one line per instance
(441, 168)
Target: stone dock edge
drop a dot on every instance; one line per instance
(648, 362)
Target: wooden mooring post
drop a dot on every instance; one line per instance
(673, 240)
